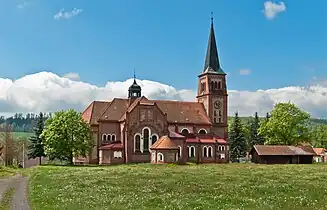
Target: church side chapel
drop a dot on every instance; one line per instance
(137, 129)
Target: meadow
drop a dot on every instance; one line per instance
(145, 186)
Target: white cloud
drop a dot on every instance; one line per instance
(67, 15)
(272, 9)
(23, 4)
(47, 92)
(72, 76)
(245, 71)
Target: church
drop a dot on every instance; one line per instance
(137, 129)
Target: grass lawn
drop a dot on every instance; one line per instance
(7, 171)
(145, 186)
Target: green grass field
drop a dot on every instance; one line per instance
(145, 186)
(7, 171)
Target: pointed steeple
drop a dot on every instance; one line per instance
(212, 64)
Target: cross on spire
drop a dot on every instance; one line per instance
(211, 17)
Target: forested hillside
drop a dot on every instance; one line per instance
(246, 120)
(25, 123)
(20, 122)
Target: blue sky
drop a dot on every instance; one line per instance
(165, 41)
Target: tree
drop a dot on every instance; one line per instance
(255, 137)
(237, 139)
(8, 145)
(66, 135)
(318, 136)
(35, 149)
(287, 125)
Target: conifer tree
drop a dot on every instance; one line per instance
(255, 137)
(36, 149)
(237, 140)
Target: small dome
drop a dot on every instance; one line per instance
(134, 86)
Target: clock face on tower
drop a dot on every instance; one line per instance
(217, 104)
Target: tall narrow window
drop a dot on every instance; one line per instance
(104, 137)
(191, 151)
(209, 151)
(212, 85)
(154, 139)
(219, 112)
(113, 137)
(179, 151)
(205, 151)
(137, 142)
(215, 113)
(219, 85)
(146, 139)
(216, 85)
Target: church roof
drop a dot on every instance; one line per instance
(212, 64)
(164, 143)
(177, 111)
(93, 111)
(114, 110)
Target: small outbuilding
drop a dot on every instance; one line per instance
(282, 154)
(321, 155)
(164, 151)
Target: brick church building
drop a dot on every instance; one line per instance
(137, 129)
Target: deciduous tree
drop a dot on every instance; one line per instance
(66, 135)
(287, 125)
(318, 136)
(35, 149)
(237, 139)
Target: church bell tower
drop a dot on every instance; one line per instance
(212, 89)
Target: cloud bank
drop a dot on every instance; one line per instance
(48, 92)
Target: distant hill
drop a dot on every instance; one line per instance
(24, 123)
(247, 120)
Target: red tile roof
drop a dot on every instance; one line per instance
(282, 150)
(177, 111)
(206, 140)
(113, 146)
(319, 151)
(93, 111)
(115, 110)
(164, 143)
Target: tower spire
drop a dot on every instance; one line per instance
(134, 77)
(212, 64)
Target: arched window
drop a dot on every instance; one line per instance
(185, 131)
(215, 113)
(160, 157)
(205, 154)
(223, 148)
(108, 137)
(146, 139)
(216, 85)
(137, 143)
(104, 137)
(191, 151)
(219, 148)
(220, 113)
(219, 85)
(154, 138)
(179, 151)
(209, 152)
(113, 137)
(202, 131)
(212, 85)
